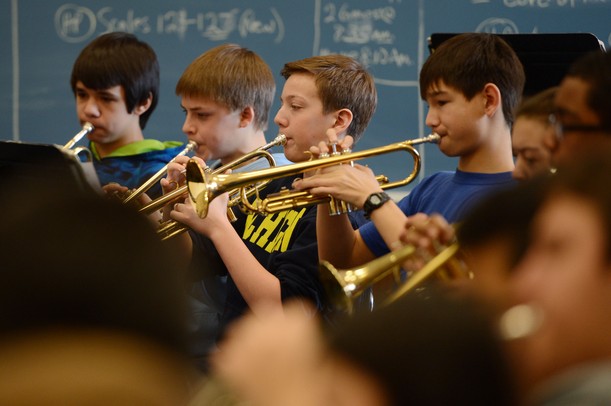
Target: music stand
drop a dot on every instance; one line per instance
(545, 57)
(35, 165)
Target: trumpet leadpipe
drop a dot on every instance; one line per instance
(87, 128)
(191, 145)
(182, 190)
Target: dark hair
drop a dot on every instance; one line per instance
(79, 261)
(468, 61)
(433, 350)
(594, 68)
(232, 76)
(119, 58)
(342, 83)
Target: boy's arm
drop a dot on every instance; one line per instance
(258, 287)
(338, 242)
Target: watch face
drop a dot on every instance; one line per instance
(375, 199)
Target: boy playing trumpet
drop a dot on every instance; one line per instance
(271, 259)
(471, 84)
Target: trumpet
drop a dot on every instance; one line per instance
(204, 187)
(191, 145)
(87, 128)
(171, 228)
(344, 286)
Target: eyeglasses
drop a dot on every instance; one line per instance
(562, 129)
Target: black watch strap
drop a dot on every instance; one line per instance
(374, 201)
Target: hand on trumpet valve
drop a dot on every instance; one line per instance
(351, 184)
(115, 190)
(120, 192)
(428, 234)
(175, 176)
(333, 146)
(422, 230)
(347, 182)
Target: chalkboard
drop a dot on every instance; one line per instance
(40, 40)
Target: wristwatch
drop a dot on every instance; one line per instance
(374, 201)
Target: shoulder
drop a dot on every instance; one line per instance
(434, 180)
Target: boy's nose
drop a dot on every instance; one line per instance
(91, 108)
(187, 127)
(279, 118)
(431, 119)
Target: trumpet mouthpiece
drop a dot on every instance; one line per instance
(434, 138)
(280, 139)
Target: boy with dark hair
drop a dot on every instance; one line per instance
(471, 83)
(115, 81)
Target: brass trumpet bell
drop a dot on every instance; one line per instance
(447, 265)
(343, 287)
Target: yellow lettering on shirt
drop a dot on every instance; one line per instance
(273, 232)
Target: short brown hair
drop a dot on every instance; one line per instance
(233, 76)
(342, 82)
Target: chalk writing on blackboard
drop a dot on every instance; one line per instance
(368, 34)
(74, 23)
(495, 25)
(543, 4)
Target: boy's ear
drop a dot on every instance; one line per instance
(144, 106)
(492, 98)
(342, 121)
(247, 116)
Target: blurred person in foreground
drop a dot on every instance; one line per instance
(92, 307)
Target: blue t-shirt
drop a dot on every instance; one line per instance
(447, 193)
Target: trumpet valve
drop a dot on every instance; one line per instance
(231, 215)
(337, 207)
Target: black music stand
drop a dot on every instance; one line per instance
(545, 57)
(42, 165)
